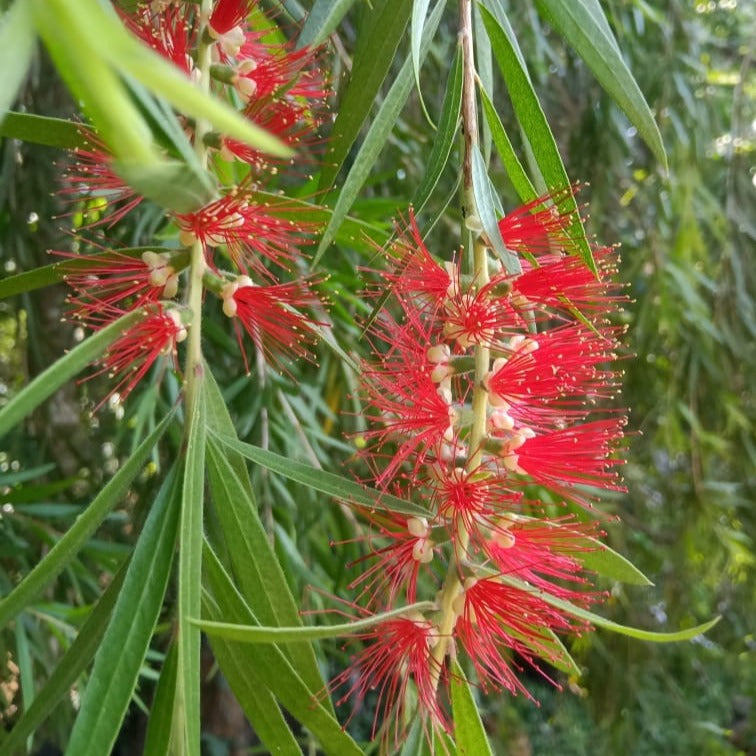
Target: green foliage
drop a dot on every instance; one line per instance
(255, 502)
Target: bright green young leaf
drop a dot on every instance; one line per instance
(51, 132)
(261, 634)
(419, 12)
(69, 669)
(469, 734)
(325, 482)
(124, 646)
(372, 60)
(321, 21)
(445, 136)
(78, 534)
(17, 39)
(609, 564)
(158, 737)
(313, 710)
(376, 137)
(534, 126)
(512, 165)
(577, 22)
(50, 380)
(595, 619)
(187, 702)
(484, 202)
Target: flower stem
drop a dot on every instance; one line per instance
(197, 268)
(452, 584)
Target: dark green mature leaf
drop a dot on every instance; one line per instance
(447, 132)
(469, 734)
(484, 202)
(512, 165)
(320, 480)
(376, 137)
(578, 23)
(70, 667)
(371, 63)
(187, 701)
(322, 20)
(17, 37)
(50, 380)
(120, 657)
(158, 737)
(534, 125)
(77, 535)
(51, 132)
(273, 668)
(254, 562)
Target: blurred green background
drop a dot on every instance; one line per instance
(688, 240)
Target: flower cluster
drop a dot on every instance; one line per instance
(487, 406)
(251, 237)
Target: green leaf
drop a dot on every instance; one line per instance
(158, 737)
(469, 734)
(375, 139)
(120, 657)
(63, 552)
(51, 132)
(535, 128)
(512, 165)
(609, 564)
(187, 701)
(372, 59)
(50, 380)
(320, 480)
(271, 666)
(254, 562)
(321, 21)
(615, 627)
(447, 132)
(578, 23)
(17, 39)
(419, 12)
(261, 634)
(485, 204)
(70, 667)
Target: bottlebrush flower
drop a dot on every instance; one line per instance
(270, 316)
(397, 652)
(252, 231)
(496, 620)
(112, 279)
(130, 357)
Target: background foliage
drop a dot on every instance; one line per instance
(687, 245)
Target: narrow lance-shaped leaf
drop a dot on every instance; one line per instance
(127, 638)
(372, 59)
(16, 50)
(469, 735)
(187, 703)
(322, 20)
(577, 22)
(376, 137)
(51, 132)
(534, 126)
(320, 480)
(77, 535)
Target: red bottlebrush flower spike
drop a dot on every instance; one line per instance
(398, 651)
(228, 14)
(269, 315)
(133, 354)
